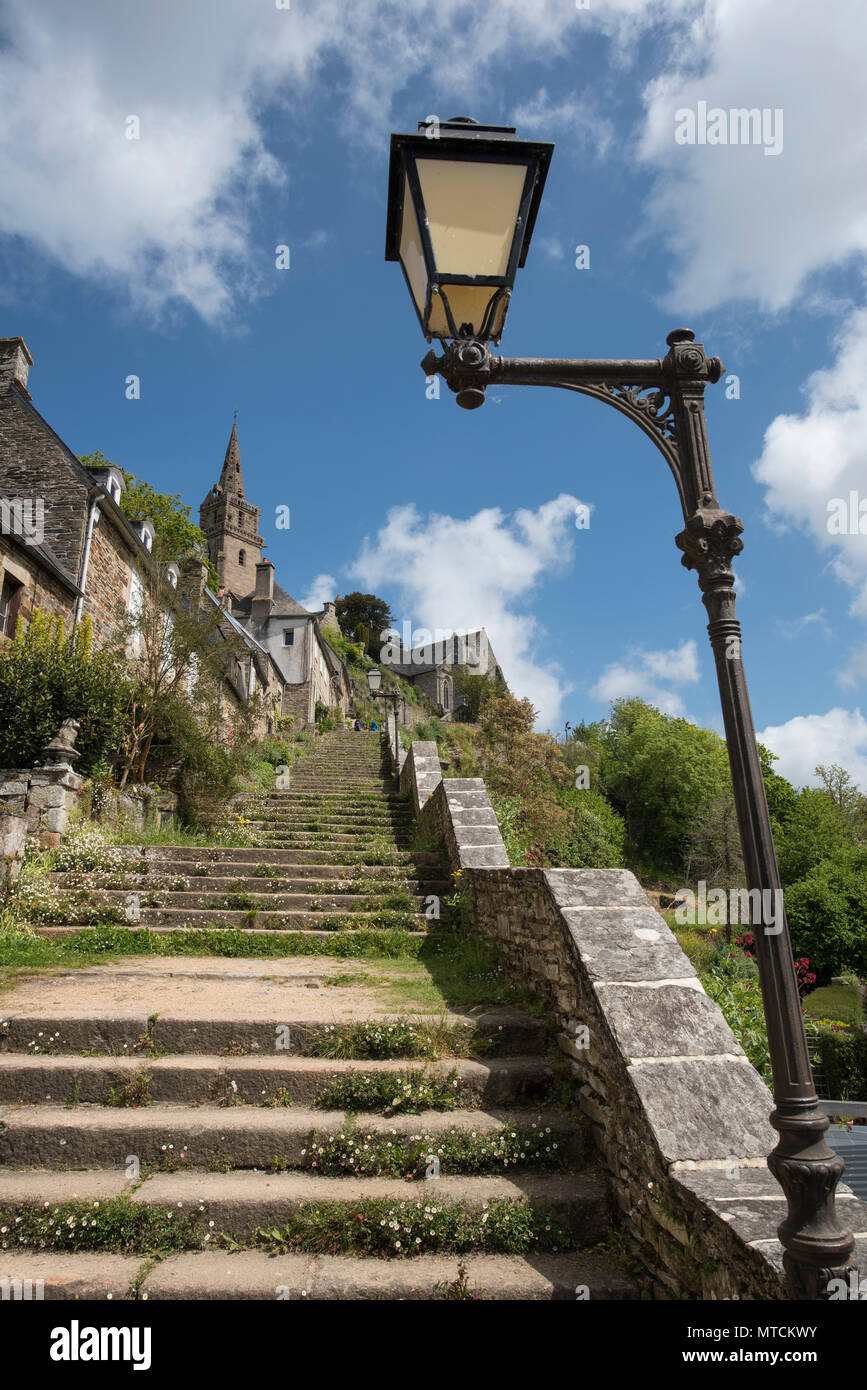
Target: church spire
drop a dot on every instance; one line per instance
(231, 478)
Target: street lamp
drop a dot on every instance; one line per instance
(374, 681)
(665, 398)
(462, 201)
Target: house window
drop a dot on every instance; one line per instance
(242, 557)
(445, 695)
(288, 637)
(10, 602)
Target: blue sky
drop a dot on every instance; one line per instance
(262, 126)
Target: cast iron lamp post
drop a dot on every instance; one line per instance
(463, 199)
(374, 681)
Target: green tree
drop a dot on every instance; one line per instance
(815, 832)
(476, 691)
(359, 611)
(659, 772)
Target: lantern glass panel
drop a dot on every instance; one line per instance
(468, 304)
(411, 253)
(472, 212)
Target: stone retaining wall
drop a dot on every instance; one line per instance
(676, 1110)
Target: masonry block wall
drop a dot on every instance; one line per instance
(108, 580)
(40, 589)
(675, 1108)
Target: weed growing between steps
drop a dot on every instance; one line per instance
(392, 1230)
(392, 1038)
(132, 1093)
(114, 1225)
(458, 1152)
(390, 1094)
(371, 1226)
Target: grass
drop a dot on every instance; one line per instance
(842, 1002)
(22, 953)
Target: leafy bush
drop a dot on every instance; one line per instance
(47, 676)
(597, 834)
(843, 1055)
(827, 913)
(740, 999)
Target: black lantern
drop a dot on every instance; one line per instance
(374, 679)
(462, 202)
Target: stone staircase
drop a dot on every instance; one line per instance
(194, 1126)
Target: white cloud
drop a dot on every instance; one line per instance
(167, 218)
(840, 736)
(321, 591)
(809, 460)
(744, 225)
(552, 248)
(796, 627)
(650, 675)
(572, 118)
(480, 571)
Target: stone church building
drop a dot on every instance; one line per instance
(313, 673)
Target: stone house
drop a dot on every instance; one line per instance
(66, 545)
(431, 666)
(91, 558)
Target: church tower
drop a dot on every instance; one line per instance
(231, 525)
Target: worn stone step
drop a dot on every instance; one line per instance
(291, 921)
(318, 841)
(238, 1203)
(64, 1032)
(305, 877)
(198, 1079)
(291, 937)
(252, 854)
(336, 816)
(317, 882)
(49, 1136)
(212, 1274)
(345, 800)
(282, 902)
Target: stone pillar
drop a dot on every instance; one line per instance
(54, 792)
(14, 786)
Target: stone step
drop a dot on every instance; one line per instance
(289, 796)
(65, 1032)
(192, 1079)
(253, 855)
(308, 839)
(292, 939)
(49, 1136)
(290, 921)
(219, 1275)
(271, 886)
(283, 902)
(304, 875)
(239, 1203)
(291, 815)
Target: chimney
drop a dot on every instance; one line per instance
(329, 616)
(15, 363)
(263, 595)
(193, 580)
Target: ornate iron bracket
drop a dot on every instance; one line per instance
(648, 391)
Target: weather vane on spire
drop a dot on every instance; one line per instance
(236, 415)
